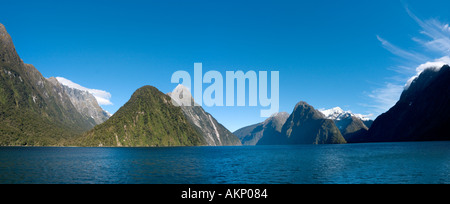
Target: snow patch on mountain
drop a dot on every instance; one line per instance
(338, 114)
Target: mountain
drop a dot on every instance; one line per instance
(307, 125)
(214, 133)
(264, 133)
(347, 122)
(148, 119)
(33, 110)
(421, 114)
(84, 102)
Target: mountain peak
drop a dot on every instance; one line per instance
(147, 119)
(5, 38)
(421, 114)
(304, 110)
(2, 29)
(7, 50)
(422, 81)
(182, 95)
(429, 66)
(181, 87)
(38, 111)
(302, 103)
(306, 125)
(211, 130)
(333, 113)
(145, 91)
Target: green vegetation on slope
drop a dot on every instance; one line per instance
(33, 111)
(27, 118)
(147, 119)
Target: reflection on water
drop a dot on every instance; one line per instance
(422, 162)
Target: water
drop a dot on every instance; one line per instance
(418, 162)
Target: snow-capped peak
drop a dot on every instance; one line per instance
(338, 114)
(334, 114)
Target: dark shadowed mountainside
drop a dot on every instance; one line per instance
(421, 114)
(307, 125)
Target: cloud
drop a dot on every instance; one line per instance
(400, 52)
(103, 97)
(385, 97)
(435, 65)
(438, 32)
(439, 42)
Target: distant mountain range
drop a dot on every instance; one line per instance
(305, 125)
(35, 111)
(338, 114)
(348, 123)
(421, 114)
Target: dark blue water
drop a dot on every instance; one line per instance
(420, 162)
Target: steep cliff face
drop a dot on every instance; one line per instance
(33, 110)
(84, 102)
(214, 133)
(8, 54)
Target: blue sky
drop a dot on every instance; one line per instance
(353, 54)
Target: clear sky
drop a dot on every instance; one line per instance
(350, 53)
